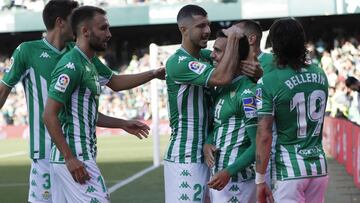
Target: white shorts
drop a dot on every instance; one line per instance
(65, 189)
(244, 192)
(185, 182)
(309, 190)
(39, 181)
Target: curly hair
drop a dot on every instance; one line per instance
(288, 42)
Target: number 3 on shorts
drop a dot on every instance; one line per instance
(47, 183)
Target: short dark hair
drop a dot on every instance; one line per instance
(244, 46)
(57, 9)
(252, 27)
(350, 81)
(188, 11)
(288, 42)
(82, 14)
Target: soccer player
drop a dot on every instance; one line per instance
(189, 76)
(74, 93)
(32, 63)
(234, 134)
(293, 95)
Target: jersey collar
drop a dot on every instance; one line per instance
(54, 48)
(82, 53)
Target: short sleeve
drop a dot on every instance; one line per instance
(105, 73)
(64, 81)
(264, 100)
(185, 70)
(17, 68)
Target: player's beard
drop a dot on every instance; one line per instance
(96, 44)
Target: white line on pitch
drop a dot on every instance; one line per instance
(13, 184)
(131, 178)
(2, 156)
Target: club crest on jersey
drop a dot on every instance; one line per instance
(197, 67)
(62, 82)
(258, 98)
(249, 107)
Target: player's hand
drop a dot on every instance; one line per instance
(233, 30)
(264, 194)
(77, 170)
(219, 180)
(159, 73)
(137, 128)
(209, 151)
(252, 68)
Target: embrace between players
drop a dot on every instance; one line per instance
(219, 126)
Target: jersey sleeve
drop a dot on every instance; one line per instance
(188, 71)
(105, 73)
(17, 67)
(264, 96)
(64, 81)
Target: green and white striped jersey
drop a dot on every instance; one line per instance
(32, 63)
(235, 113)
(190, 105)
(297, 100)
(76, 83)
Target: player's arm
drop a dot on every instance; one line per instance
(137, 128)
(4, 93)
(126, 81)
(225, 70)
(52, 123)
(209, 150)
(252, 68)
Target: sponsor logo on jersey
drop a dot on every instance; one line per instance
(258, 97)
(249, 107)
(197, 67)
(181, 58)
(45, 55)
(70, 66)
(62, 82)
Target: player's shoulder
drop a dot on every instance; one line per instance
(29, 45)
(70, 60)
(245, 86)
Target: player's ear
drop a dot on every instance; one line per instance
(85, 31)
(252, 39)
(59, 22)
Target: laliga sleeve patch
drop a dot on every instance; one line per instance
(62, 82)
(249, 107)
(197, 67)
(258, 98)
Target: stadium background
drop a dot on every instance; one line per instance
(333, 41)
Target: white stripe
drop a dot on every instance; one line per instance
(313, 168)
(190, 124)
(322, 164)
(20, 153)
(176, 146)
(47, 135)
(227, 140)
(239, 139)
(36, 113)
(201, 121)
(86, 118)
(286, 159)
(76, 121)
(93, 127)
(301, 163)
(131, 179)
(26, 89)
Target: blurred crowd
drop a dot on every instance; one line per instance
(38, 5)
(339, 63)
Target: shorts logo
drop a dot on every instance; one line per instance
(258, 98)
(197, 67)
(233, 199)
(62, 82)
(185, 173)
(249, 107)
(46, 195)
(184, 184)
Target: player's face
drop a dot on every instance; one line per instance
(99, 33)
(219, 50)
(199, 31)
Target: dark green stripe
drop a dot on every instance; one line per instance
(195, 142)
(70, 130)
(41, 123)
(294, 163)
(206, 102)
(234, 137)
(91, 123)
(184, 125)
(31, 119)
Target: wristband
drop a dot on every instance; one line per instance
(259, 178)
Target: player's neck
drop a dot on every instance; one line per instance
(54, 39)
(191, 49)
(255, 50)
(84, 47)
